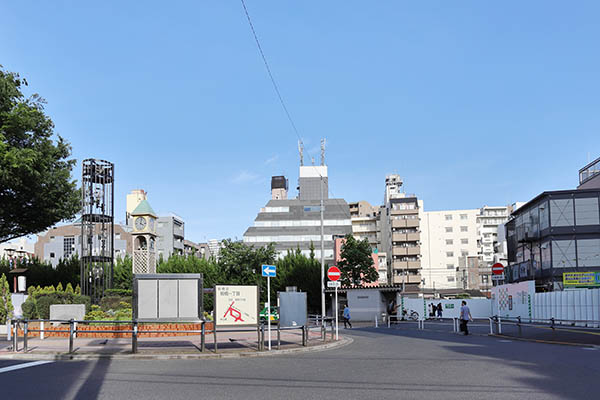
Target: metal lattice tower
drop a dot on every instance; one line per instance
(97, 227)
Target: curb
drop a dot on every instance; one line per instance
(344, 341)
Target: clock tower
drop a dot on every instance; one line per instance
(144, 239)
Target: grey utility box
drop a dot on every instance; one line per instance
(167, 297)
(292, 309)
(67, 311)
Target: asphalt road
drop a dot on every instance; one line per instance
(396, 363)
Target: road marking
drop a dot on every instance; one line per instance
(24, 365)
(506, 341)
(590, 348)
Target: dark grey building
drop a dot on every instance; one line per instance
(555, 233)
(170, 232)
(295, 223)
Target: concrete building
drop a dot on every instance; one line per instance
(446, 236)
(295, 223)
(134, 198)
(62, 242)
(365, 223)
(200, 250)
(401, 233)
(214, 247)
(170, 231)
(555, 233)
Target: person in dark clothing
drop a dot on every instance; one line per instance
(346, 316)
(439, 310)
(465, 317)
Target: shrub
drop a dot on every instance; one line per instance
(38, 304)
(6, 307)
(118, 292)
(115, 303)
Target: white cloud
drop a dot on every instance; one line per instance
(272, 159)
(245, 177)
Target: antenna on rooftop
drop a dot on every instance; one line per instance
(301, 151)
(323, 151)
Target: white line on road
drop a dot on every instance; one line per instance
(24, 365)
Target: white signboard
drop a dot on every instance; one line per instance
(334, 284)
(513, 299)
(236, 305)
(498, 277)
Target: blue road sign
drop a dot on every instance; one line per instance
(269, 270)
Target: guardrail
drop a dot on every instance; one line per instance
(23, 324)
(553, 323)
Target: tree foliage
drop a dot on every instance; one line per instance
(295, 269)
(123, 273)
(36, 187)
(6, 307)
(356, 263)
(42, 274)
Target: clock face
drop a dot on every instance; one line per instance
(140, 223)
(151, 224)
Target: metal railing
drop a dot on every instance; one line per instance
(552, 323)
(23, 324)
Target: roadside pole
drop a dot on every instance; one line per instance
(269, 271)
(336, 315)
(269, 309)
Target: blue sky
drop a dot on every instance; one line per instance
(471, 102)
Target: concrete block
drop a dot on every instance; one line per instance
(67, 311)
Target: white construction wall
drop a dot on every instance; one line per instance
(582, 305)
(480, 308)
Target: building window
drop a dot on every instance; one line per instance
(450, 278)
(463, 216)
(448, 217)
(586, 211)
(563, 254)
(588, 252)
(544, 215)
(545, 255)
(449, 241)
(448, 229)
(51, 255)
(464, 253)
(484, 279)
(561, 212)
(464, 241)
(68, 246)
(449, 266)
(449, 254)
(464, 228)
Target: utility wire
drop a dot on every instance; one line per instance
(276, 87)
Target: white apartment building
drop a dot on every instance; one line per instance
(446, 236)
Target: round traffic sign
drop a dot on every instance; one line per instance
(333, 273)
(497, 269)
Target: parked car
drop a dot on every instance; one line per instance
(274, 315)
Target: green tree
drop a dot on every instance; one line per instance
(241, 263)
(123, 273)
(356, 262)
(295, 269)
(6, 307)
(36, 187)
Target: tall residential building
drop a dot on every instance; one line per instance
(365, 223)
(446, 236)
(170, 231)
(214, 246)
(401, 233)
(295, 223)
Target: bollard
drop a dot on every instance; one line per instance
(42, 335)
(278, 337)
(9, 330)
(389, 322)
(25, 331)
(375, 321)
(203, 337)
(134, 337)
(491, 327)
(499, 326)
(15, 328)
(262, 338)
(332, 331)
(323, 332)
(215, 335)
(71, 329)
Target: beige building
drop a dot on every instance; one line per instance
(134, 198)
(62, 242)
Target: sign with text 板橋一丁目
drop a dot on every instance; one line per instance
(581, 279)
(236, 305)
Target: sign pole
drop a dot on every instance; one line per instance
(336, 315)
(269, 309)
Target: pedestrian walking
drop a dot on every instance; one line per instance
(439, 310)
(465, 317)
(346, 316)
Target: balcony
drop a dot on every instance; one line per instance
(178, 231)
(398, 279)
(404, 212)
(406, 237)
(405, 223)
(406, 264)
(406, 251)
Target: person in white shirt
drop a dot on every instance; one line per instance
(465, 317)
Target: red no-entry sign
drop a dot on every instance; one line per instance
(333, 273)
(497, 269)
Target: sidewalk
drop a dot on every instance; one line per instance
(228, 343)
